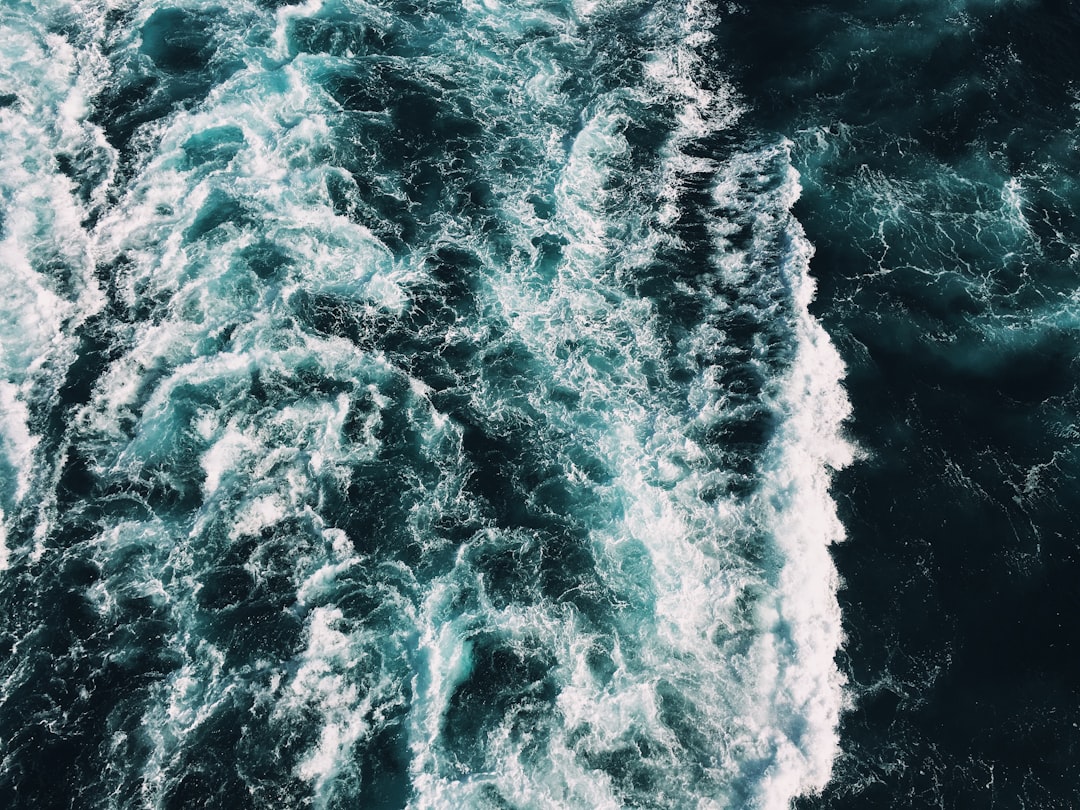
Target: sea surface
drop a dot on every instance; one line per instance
(467, 404)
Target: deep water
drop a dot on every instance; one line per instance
(939, 146)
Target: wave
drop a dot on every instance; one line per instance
(437, 419)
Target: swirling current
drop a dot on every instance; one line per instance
(407, 405)
(458, 404)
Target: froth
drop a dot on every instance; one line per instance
(50, 289)
(548, 518)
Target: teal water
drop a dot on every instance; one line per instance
(939, 150)
(407, 405)
(459, 405)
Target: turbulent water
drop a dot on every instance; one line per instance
(939, 148)
(425, 404)
(407, 405)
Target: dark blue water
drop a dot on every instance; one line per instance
(460, 405)
(940, 149)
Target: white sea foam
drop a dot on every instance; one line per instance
(753, 702)
(45, 254)
(4, 552)
(807, 691)
(258, 467)
(18, 442)
(718, 663)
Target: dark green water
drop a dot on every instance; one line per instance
(459, 405)
(940, 157)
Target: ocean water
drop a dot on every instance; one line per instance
(450, 405)
(939, 148)
(407, 405)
